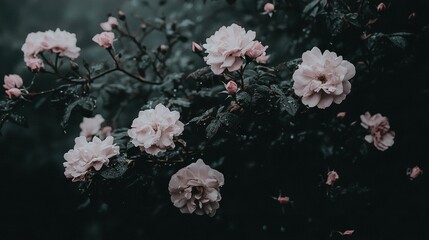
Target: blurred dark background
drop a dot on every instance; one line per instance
(38, 202)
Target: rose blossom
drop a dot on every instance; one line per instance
(86, 156)
(322, 79)
(104, 39)
(154, 129)
(13, 93)
(257, 52)
(12, 81)
(91, 126)
(60, 42)
(332, 178)
(379, 128)
(111, 23)
(227, 47)
(414, 172)
(195, 189)
(231, 87)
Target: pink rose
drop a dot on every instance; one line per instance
(61, 42)
(195, 189)
(12, 81)
(227, 47)
(87, 156)
(322, 79)
(332, 178)
(13, 93)
(231, 87)
(91, 126)
(154, 129)
(104, 39)
(414, 172)
(196, 47)
(257, 52)
(111, 23)
(379, 128)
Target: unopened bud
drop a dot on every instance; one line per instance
(196, 48)
(231, 87)
(13, 93)
(381, 7)
(121, 15)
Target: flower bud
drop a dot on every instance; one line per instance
(381, 7)
(231, 87)
(104, 39)
(268, 8)
(341, 115)
(111, 23)
(414, 172)
(13, 93)
(283, 200)
(332, 178)
(163, 48)
(143, 26)
(12, 81)
(196, 48)
(347, 232)
(121, 15)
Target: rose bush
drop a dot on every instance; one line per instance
(151, 96)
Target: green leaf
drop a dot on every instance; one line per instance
(228, 119)
(213, 128)
(116, 169)
(206, 115)
(18, 119)
(243, 98)
(67, 113)
(289, 104)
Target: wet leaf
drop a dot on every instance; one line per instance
(289, 104)
(213, 128)
(228, 119)
(116, 168)
(18, 119)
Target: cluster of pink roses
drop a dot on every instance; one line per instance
(60, 42)
(229, 46)
(193, 189)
